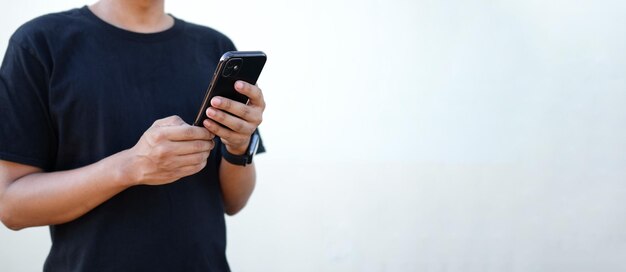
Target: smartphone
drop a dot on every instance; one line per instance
(233, 66)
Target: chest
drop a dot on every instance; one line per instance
(104, 96)
(136, 80)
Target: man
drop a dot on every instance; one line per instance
(90, 101)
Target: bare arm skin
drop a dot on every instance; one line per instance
(167, 151)
(237, 181)
(237, 185)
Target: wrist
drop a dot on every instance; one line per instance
(244, 155)
(127, 169)
(239, 150)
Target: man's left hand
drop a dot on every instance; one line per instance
(243, 121)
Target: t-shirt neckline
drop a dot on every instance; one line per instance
(137, 36)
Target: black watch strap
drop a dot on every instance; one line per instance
(245, 158)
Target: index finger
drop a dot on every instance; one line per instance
(253, 93)
(186, 133)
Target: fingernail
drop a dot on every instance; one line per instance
(239, 85)
(210, 112)
(217, 101)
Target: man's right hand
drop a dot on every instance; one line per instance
(169, 150)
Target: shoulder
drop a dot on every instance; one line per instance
(45, 27)
(209, 36)
(43, 36)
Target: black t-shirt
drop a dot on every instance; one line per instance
(74, 90)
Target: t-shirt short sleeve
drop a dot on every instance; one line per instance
(26, 132)
(261, 148)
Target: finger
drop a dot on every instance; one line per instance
(238, 109)
(227, 135)
(191, 159)
(234, 123)
(186, 133)
(253, 92)
(192, 147)
(167, 150)
(191, 169)
(173, 120)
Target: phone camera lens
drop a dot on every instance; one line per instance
(232, 68)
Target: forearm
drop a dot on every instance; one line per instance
(58, 197)
(235, 122)
(169, 150)
(237, 185)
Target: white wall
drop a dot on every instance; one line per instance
(415, 135)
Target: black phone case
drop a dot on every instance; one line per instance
(233, 66)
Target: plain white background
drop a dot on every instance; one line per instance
(417, 135)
